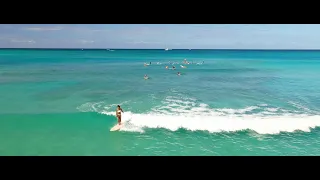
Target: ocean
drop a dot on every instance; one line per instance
(224, 103)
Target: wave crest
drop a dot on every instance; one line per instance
(182, 112)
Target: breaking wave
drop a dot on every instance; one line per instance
(177, 112)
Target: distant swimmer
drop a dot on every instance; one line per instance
(183, 66)
(146, 76)
(174, 68)
(178, 73)
(118, 114)
(167, 67)
(185, 61)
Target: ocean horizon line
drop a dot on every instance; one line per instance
(222, 49)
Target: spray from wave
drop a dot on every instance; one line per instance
(182, 112)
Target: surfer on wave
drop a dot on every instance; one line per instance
(118, 114)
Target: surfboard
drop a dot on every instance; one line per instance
(116, 127)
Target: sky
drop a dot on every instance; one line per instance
(161, 36)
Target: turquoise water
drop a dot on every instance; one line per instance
(226, 102)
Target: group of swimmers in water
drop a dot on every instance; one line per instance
(119, 110)
(173, 67)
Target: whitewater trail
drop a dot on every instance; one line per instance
(182, 112)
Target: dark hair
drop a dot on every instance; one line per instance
(118, 106)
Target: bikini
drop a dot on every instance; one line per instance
(119, 112)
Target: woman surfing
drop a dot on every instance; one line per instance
(118, 114)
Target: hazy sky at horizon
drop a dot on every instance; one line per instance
(185, 36)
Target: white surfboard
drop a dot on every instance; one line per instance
(116, 127)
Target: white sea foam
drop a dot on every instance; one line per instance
(181, 112)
